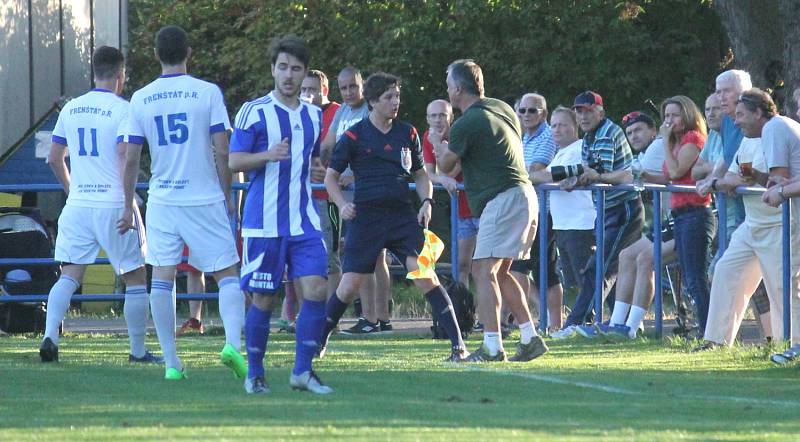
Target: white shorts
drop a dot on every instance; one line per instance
(205, 229)
(82, 231)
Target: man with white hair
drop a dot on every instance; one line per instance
(730, 84)
(538, 150)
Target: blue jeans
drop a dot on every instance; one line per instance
(694, 230)
(623, 227)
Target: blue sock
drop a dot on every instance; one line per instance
(256, 332)
(310, 323)
(334, 309)
(443, 309)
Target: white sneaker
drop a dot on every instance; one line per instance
(256, 385)
(564, 333)
(309, 381)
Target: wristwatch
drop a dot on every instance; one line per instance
(714, 184)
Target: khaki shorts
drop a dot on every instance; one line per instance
(508, 225)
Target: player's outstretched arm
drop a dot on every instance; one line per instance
(425, 192)
(58, 164)
(133, 154)
(346, 209)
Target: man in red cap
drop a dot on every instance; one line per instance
(607, 159)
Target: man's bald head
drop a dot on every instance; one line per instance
(439, 115)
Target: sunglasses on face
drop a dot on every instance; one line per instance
(529, 110)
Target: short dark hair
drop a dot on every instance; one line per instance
(377, 84)
(467, 75)
(172, 45)
(106, 62)
(290, 44)
(755, 98)
(319, 75)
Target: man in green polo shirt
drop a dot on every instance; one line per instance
(486, 143)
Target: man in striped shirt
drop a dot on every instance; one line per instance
(608, 156)
(276, 139)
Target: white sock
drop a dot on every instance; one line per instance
(135, 309)
(635, 320)
(231, 310)
(620, 313)
(58, 304)
(526, 332)
(493, 342)
(162, 307)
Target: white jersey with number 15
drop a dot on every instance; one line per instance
(177, 114)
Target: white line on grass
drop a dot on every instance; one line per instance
(552, 380)
(617, 390)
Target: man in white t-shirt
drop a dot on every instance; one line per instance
(572, 213)
(750, 256)
(87, 130)
(186, 125)
(781, 141)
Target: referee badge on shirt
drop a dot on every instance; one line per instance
(405, 159)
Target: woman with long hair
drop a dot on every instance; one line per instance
(684, 133)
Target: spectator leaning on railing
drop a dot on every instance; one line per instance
(781, 140)
(751, 254)
(711, 156)
(635, 281)
(572, 213)
(607, 155)
(539, 149)
(684, 134)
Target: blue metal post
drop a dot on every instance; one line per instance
(657, 262)
(787, 270)
(599, 227)
(454, 236)
(543, 259)
(722, 213)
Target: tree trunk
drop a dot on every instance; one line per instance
(790, 24)
(756, 39)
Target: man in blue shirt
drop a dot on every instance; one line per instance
(383, 154)
(730, 85)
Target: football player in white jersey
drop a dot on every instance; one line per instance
(87, 130)
(276, 139)
(185, 123)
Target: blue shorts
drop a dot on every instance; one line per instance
(467, 227)
(265, 260)
(374, 229)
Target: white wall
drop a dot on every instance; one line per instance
(50, 42)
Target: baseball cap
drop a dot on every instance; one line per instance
(637, 117)
(588, 99)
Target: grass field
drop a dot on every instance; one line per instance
(395, 388)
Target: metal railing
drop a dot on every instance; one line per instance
(543, 191)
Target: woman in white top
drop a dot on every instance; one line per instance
(573, 213)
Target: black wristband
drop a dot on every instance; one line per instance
(714, 184)
(430, 200)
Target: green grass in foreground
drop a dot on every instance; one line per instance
(395, 388)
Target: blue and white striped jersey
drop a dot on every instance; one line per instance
(278, 202)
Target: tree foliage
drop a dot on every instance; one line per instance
(628, 51)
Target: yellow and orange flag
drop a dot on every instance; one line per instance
(426, 261)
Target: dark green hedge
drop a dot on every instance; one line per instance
(627, 51)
